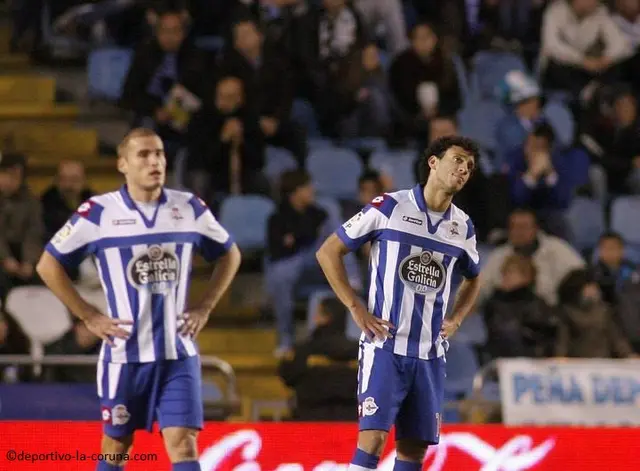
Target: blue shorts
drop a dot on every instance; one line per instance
(134, 395)
(405, 391)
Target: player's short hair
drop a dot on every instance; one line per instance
(611, 235)
(291, 180)
(134, 134)
(522, 263)
(439, 148)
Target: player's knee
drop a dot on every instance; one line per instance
(115, 448)
(411, 450)
(372, 441)
(181, 444)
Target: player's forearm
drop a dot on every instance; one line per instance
(466, 299)
(226, 268)
(331, 259)
(57, 280)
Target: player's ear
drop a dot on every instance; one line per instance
(433, 162)
(121, 164)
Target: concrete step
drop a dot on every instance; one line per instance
(27, 89)
(237, 341)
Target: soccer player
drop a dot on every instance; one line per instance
(142, 237)
(420, 240)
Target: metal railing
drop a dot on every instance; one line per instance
(228, 405)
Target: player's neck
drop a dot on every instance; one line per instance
(140, 195)
(437, 200)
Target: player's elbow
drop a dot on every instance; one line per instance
(329, 250)
(45, 265)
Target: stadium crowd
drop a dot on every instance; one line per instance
(313, 78)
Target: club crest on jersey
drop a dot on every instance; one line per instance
(157, 270)
(421, 272)
(452, 230)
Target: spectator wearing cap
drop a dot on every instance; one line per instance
(521, 94)
(22, 228)
(544, 179)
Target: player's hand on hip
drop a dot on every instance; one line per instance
(193, 321)
(107, 328)
(449, 328)
(373, 327)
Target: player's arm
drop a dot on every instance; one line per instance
(68, 248)
(360, 229)
(214, 244)
(467, 296)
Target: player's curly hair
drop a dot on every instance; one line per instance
(439, 147)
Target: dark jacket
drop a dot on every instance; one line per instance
(56, 210)
(305, 228)
(610, 281)
(519, 324)
(327, 392)
(21, 227)
(194, 69)
(268, 85)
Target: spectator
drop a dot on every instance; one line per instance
(423, 82)
(225, 145)
(78, 340)
(628, 310)
(294, 231)
(519, 323)
(587, 326)
(166, 80)
(324, 393)
(365, 96)
(268, 86)
(388, 14)
(627, 18)
(552, 257)
(21, 222)
(580, 43)
(522, 95)
(61, 199)
(544, 179)
(611, 271)
(369, 186)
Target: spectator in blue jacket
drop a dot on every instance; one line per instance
(544, 179)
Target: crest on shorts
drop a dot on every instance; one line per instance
(119, 415)
(369, 407)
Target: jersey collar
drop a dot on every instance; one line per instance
(418, 195)
(134, 207)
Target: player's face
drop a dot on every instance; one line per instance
(144, 163)
(453, 170)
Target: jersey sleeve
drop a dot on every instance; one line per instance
(213, 240)
(469, 262)
(367, 224)
(78, 237)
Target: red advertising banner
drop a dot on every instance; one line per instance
(67, 446)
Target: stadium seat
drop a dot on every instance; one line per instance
(398, 164)
(106, 72)
(462, 366)
(237, 211)
(473, 330)
(302, 112)
(625, 220)
(27, 89)
(279, 160)
(489, 69)
(479, 120)
(463, 79)
(319, 143)
(333, 209)
(560, 118)
(365, 143)
(586, 219)
(335, 172)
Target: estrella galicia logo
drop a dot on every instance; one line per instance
(157, 269)
(422, 273)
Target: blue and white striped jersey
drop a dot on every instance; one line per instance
(144, 261)
(414, 254)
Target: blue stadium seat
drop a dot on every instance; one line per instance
(489, 69)
(335, 172)
(398, 164)
(625, 219)
(473, 330)
(463, 79)
(333, 209)
(237, 210)
(302, 112)
(106, 72)
(319, 142)
(365, 143)
(278, 161)
(479, 120)
(586, 219)
(462, 365)
(560, 118)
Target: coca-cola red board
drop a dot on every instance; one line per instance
(66, 446)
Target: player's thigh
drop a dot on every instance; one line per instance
(121, 399)
(420, 416)
(179, 402)
(381, 388)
